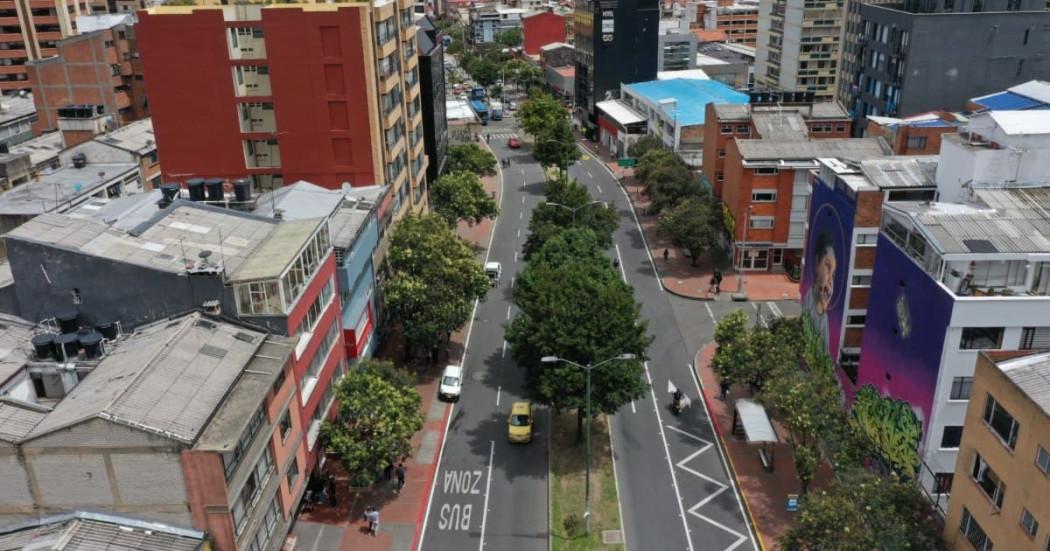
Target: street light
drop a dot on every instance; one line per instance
(566, 207)
(588, 368)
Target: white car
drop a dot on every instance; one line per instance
(451, 383)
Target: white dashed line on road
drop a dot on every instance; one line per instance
(619, 260)
(589, 175)
(499, 390)
(502, 355)
(515, 257)
(710, 313)
(508, 312)
(599, 188)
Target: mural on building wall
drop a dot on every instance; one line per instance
(891, 426)
(824, 284)
(908, 317)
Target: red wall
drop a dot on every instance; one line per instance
(542, 29)
(206, 492)
(322, 123)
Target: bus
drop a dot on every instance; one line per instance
(496, 111)
(481, 109)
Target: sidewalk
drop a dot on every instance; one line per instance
(677, 273)
(401, 513)
(765, 494)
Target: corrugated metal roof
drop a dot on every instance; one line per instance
(785, 126)
(1022, 122)
(18, 420)
(1006, 101)
(851, 149)
(900, 172)
(620, 112)
(1031, 374)
(88, 531)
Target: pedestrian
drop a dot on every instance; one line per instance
(388, 472)
(332, 500)
(711, 285)
(666, 254)
(724, 387)
(718, 282)
(373, 524)
(488, 137)
(400, 476)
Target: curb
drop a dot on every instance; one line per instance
(725, 453)
(429, 487)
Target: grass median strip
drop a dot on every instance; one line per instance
(568, 472)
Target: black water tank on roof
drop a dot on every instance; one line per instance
(242, 190)
(44, 346)
(70, 342)
(196, 188)
(68, 320)
(108, 330)
(170, 191)
(91, 342)
(213, 186)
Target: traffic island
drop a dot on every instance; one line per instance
(567, 485)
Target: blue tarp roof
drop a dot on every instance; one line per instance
(692, 96)
(1008, 101)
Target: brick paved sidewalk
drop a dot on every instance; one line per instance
(342, 527)
(676, 271)
(765, 494)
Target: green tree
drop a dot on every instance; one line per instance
(734, 354)
(539, 112)
(483, 69)
(666, 178)
(530, 78)
(510, 38)
(461, 196)
(470, 157)
(644, 145)
(576, 307)
(578, 210)
(378, 414)
(436, 278)
(694, 225)
(556, 146)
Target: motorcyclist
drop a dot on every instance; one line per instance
(677, 397)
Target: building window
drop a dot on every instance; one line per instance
(981, 338)
(942, 483)
(974, 533)
(988, 481)
(766, 171)
(862, 280)
(961, 388)
(285, 425)
(856, 319)
(1001, 422)
(293, 474)
(317, 307)
(951, 436)
(721, 153)
(232, 459)
(1035, 338)
(743, 129)
(727, 129)
(916, 142)
(867, 239)
(1042, 460)
(253, 486)
(764, 196)
(720, 177)
(1028, 522)
(279, 382)
(762, 222)
(313, 371)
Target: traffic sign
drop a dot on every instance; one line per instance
(627, 162)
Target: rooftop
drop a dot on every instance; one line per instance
(136, 137)
(1000, 220)
(691, 95)
(901, 172)
(89, 23)
(620, 112)
(1031, 374)
(821, 110)
(89, 531)
(932, 119)
(1034, 94)
(42, 149)
(167, 378)
(276, 251)
(15, 107)
(58, 189)
(698, 74)
(556, 45)
(850, 149)
(782, 126)
(299, 201)
(18, 419)
(14, 341)
(348, 220)
(705, 35)
(1018, 123)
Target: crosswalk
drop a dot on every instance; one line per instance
(502, 136)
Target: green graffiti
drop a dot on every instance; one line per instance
(891, 426)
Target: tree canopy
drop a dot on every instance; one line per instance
(510, 38)
(379, 411)
(470, 157)
(578, 210)
(694, 225)
(461, 196)
(436, 278)
(666, 178)
(644, 145)
(539, 112)
(556, 146)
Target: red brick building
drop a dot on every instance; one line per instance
(97, 68)
(31, 30)
(541, 29)
(917, 135)
(325, 93)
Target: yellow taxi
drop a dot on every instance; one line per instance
(519, 423)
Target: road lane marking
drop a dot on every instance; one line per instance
(633, 409)
(499, 389)
(519, 233)
(755, 306)
(512, 282)
(775, 309)
(725, 465)
(710, 313)
(616, 479)
(521, 215)
(488, 484)
(589, 175)
(503, 354)
(623, 273)
(515, 257)
(523, 199)
(463, 362)
(667, 456)
(599, 188)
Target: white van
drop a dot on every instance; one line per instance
(451, 383)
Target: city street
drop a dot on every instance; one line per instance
(674, 487)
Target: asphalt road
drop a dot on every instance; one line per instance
(489, 493)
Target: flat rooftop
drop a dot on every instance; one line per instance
(691, 97)
(42, 149)
(299, 201)
(850, 149)
(14, 107)
(821, 111)
(167, 378)
(136, 137)
(999, 220)
(782, 126)
(56, 189)
(899, 172)
(1031, 374)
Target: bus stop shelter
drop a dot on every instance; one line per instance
(751, 421)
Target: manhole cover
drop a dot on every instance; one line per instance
(612, 536)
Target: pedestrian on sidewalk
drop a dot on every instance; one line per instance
(400, 476)
(718, 282)
(667, 253)
(388, 472)
(723, 386)
(711, 285)
(488, 137)
(332, 500)
(372, 516)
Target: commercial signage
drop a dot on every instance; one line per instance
(608, 25)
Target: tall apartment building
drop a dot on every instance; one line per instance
(1002, 476)
(100, 67)
(738, 19)
(30, 30)
(676, 47)
(616, 43)
(798, 46)
(432, 82)
(190, 420)
(327, 93)
(489, 21)
(849, 46)
(925, 55)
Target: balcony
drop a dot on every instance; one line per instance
(257, 117)
(262, 154)
(251, 80)
(245, 43)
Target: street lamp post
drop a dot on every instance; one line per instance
(588, 368)
(573, 210)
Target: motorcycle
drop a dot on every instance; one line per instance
(678, 403)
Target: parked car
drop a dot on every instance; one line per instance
(451, 383)
(519, 423)
(494, 270)
(513, 142)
